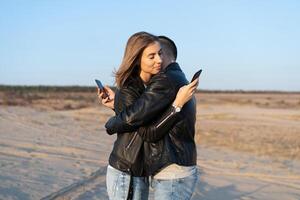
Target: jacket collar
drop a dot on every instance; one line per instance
(173, 66)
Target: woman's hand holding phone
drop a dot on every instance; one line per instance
(196, 75)
(106, 95)
(186, 92)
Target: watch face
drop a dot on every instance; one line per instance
(177, 109)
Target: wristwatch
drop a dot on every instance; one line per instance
(176, 108)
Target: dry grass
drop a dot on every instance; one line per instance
(263, 124)
(64, 98)
(260, 123)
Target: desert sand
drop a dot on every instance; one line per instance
(248, 147)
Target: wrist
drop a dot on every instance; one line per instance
(177, 104)
(176, 108)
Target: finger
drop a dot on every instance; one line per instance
(189, 86)
(100, 91)
(100, 95)
(106, 99)
(193, 90)
(103, 101)
(195, 82)
(194, 86)
(100, 100)
(109, 90)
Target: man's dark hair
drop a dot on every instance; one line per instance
(169, 44)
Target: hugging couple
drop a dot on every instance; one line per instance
(155, 115)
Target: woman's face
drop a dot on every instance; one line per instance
(151, 61)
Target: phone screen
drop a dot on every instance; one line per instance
(196, 75)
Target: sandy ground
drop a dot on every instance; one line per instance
(63, 155)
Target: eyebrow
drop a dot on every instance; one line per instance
(151, 54)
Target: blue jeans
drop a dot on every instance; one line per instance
(175, 189)
(117, 184)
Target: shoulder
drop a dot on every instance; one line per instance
(161, 84)
(167, 77)
(133, 85)
(129, 92)
(176, 75)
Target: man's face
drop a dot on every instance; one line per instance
(166, 59)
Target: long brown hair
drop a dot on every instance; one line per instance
(132, 56)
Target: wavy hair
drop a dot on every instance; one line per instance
(130, 65)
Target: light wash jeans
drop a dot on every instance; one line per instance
(175, 189)
(117, 184)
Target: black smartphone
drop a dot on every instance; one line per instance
(101, 87)
(99, 84)
(196, 75)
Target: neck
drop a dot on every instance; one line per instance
(145, 77)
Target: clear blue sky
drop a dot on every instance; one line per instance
(249, 44)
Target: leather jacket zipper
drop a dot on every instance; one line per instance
(131, 141)
(165, 119)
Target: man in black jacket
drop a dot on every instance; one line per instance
(170, 157)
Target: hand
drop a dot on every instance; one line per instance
(107, 97)
(185, 93)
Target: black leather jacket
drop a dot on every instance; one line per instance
(162, 147)
(127, 153)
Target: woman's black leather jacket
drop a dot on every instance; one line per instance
(128, 152)
(173, 144)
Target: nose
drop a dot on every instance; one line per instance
(159, 59)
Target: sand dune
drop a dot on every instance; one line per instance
(62, 154)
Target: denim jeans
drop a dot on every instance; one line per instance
(117, 184)
(175, 189)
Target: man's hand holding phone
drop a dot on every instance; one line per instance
(106, 95)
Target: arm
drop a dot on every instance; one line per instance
(124, 98)
(158, 129)
(159, 94)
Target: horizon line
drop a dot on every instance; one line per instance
(3, 86)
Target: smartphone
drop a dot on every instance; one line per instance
(99, 84)
(101, 87)
(196, 75)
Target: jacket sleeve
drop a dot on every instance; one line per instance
(124, 98)
(158, 129)
(159, 94)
